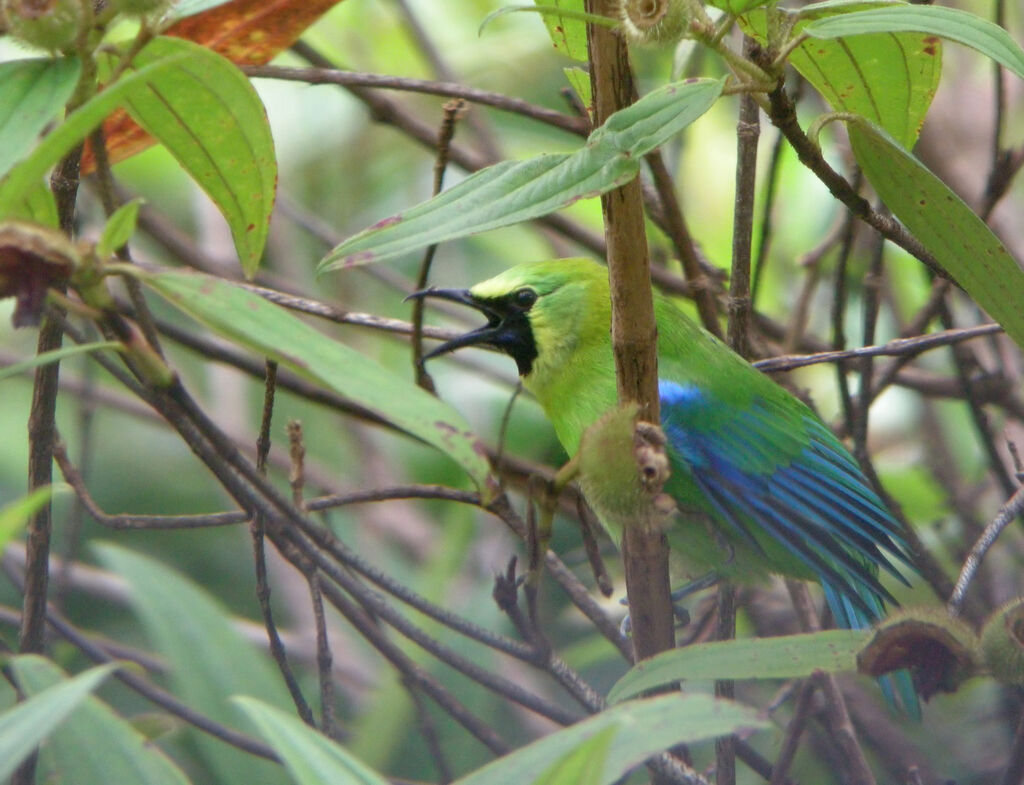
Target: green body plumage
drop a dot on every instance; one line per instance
(761, 484)
(573, 379)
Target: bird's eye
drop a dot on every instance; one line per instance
(524, 298)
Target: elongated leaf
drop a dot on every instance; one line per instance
(889, 78)
(784, 657)
(310, 757)
(945, 225)
(209, 117)
(248, 319)
(28, 723)
(14, 516)
(94, 746)
(645, 728)
(26, 175)
(951, 23)
(208, 660)
(53, 356)
(514, 191)
(32, 93)
(583, 763)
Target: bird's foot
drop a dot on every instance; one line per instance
(679, 611)
(705, 581)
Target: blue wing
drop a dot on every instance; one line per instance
(775, 469)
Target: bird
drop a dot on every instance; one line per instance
(761, 484)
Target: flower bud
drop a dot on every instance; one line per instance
(654, 21)
(1002, 643)
(45, 24)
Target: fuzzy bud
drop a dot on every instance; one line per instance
(654, 21)
(1002, 643)
(45, 24)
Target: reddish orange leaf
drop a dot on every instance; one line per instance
(246, 32)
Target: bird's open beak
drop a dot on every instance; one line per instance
(487, 335)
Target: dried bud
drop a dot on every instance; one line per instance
(937, 647)
(654, 21)
(32, 258)
(1002, 643)
(45, 24)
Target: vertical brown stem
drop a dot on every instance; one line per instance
(725, 747)
(42, 432)
(634, 337)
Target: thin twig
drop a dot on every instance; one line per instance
(783, 115)
(257, 530)
(795, 728)
(506, 103)
(836, 713)
(1006, 514)
(156, 695)
(324, 659)
(453, 110)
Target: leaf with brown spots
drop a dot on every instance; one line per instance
(246, 32)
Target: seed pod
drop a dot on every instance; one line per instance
(654, 21)
(45, 24)
(1002, 643)
(938, 648)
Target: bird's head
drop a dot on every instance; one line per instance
(537, 313)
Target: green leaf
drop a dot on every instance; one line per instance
(956, 25)
(579, 79)
(960, 241)
(25, 176)
(568, 33)
(14, 516)
(645, 728)
(29, 722)
(583, 763)
(32, 93)
(37, 206)
(514, 191)
(54, 355)
(310, 757)
(268, 329)
(889, 78)
(207, 114)
(207, 659)
(94, 746)
(784, 657)
(119, 229)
